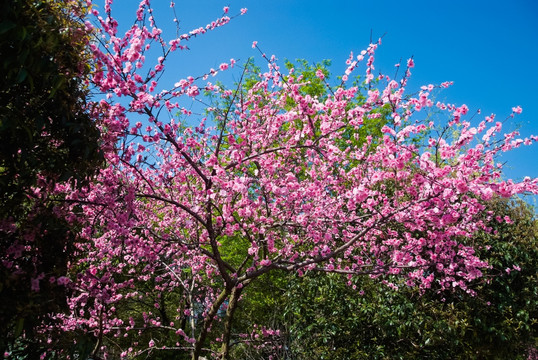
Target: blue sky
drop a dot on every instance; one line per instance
(488, 48)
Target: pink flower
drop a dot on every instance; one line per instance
(151, 343)
(35, 285)
(193, 91)
(517, 109)
(223, 66)
(265, 262)
(226, 9)
(62, 280)
(243, 11)
(254, 44)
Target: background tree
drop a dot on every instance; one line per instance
(46, 138)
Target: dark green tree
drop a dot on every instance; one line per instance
(46, 138)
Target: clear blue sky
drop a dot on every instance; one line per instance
(488, 48)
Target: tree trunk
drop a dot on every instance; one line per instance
(208, 320)
(236, 293)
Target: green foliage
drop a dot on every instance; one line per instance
(375, 322)
(306, 73)
(504, 314)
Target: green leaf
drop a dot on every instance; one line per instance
(19, 326)
(21, 76)
(7, 25)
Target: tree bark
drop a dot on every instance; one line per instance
(208, 320)
(234, 297)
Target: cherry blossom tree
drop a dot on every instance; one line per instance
(193, 208)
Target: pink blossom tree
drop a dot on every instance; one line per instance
(191, 209)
